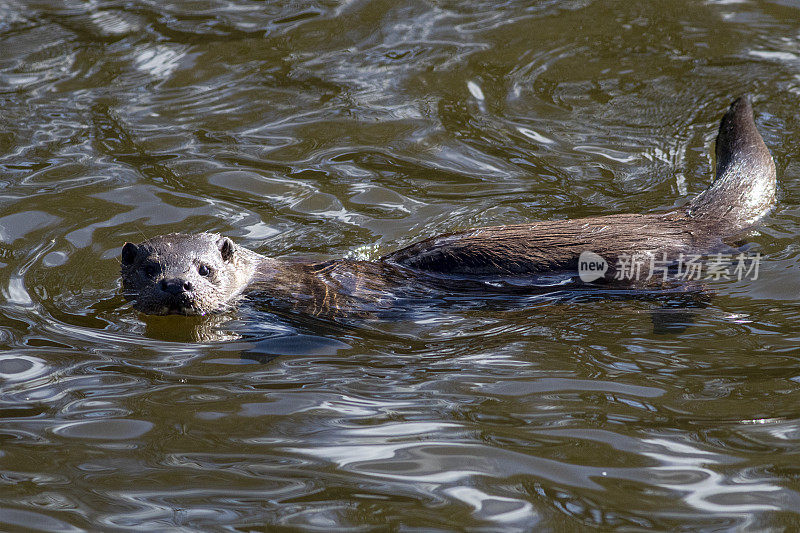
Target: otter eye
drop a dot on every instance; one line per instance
(203, 270)
(151, 270)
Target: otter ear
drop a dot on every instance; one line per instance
(129, 252)
(225, 246)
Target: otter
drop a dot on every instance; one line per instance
(207, 273)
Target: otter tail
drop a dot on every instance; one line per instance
(743, 190)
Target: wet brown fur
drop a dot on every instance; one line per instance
(742, 192)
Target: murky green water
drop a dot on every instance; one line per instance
(324, 129)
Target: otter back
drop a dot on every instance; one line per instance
(742, 192)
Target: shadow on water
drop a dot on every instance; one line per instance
(251, 334)
(262, 333)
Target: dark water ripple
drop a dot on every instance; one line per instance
(326, 129)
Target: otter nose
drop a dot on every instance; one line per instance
(176, 286)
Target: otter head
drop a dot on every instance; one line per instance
(185, 274)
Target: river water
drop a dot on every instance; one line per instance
(330, 128)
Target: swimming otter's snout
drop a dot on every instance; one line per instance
(176, 286)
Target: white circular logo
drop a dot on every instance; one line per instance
(591, 266)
